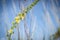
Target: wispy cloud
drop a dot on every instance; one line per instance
(14, 7)
(5, 17)
(49, 23)
(34, 20)
(54, 11)
(5, 14)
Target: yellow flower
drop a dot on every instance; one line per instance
(10, 31)
(23, 15)
(17, 19)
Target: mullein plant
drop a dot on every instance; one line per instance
(56, 35)
(20, 17)
(25, 26)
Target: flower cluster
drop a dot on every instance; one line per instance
(21, 16)
(10, 31)
(17, 20)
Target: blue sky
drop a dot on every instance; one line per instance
(44, 22)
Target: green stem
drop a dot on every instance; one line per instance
(25, 11)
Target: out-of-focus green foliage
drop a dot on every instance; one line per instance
(56, 35)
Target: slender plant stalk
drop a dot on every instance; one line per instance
(21, 16)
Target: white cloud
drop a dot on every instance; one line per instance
(14, 7)
(49, 23)
(5, 15)
(54, 11)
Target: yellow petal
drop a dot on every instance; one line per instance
(17, 19)
(10, 31)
